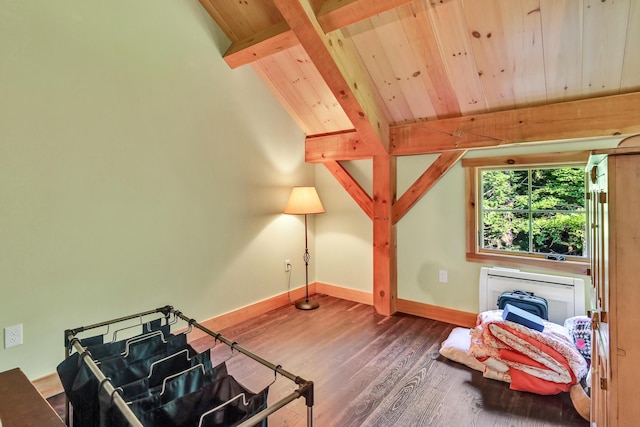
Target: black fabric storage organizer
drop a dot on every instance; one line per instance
(155, 378)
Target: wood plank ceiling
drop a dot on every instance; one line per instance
(381, 78)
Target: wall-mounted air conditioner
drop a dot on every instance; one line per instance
(565, 295)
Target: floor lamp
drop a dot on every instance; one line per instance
(305, 201)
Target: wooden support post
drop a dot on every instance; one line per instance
(385, 277)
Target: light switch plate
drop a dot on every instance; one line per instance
(443, 276)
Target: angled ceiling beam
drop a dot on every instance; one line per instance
(260, 45)
(352, 187)
(333, 15)
(336, 14)
(423, 184)
(341, 71)
(586, 118)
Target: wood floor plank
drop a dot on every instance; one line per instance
(377, 371)
(394, 369)
(372, 370)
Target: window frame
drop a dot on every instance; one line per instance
(473, 167)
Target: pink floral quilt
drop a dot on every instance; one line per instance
(544, 362)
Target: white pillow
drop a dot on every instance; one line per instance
(456, 348)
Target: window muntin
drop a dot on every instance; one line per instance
(534, 211)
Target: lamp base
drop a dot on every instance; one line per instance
(307, 304)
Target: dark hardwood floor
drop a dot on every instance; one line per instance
(372, 370)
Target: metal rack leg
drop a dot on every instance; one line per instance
(309, 416)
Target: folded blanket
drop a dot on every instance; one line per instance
(545, 362)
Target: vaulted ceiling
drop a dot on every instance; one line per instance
(382, 78)
(413, 62)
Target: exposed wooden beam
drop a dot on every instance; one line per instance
(333, 15)
(352, 187)
(342, 72)
(423, 184)
(596, 117)
(336, 14)
(342, 146)
(262, 44)
(564, 157)
(385, 265)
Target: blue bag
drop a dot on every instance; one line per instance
(527, 301)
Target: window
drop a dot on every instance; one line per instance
(528, 210)
(533, 210)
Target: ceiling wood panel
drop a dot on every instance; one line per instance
(523, 33)
(605, 30)
(407, 71)
(452, 35)
(292, 75)
(417, 26)
(489, 45)
(324, 104)
(562, 40)
(379, 68)
(271, 69)
(631, 65)
(414, 61)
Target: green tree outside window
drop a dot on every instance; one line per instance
(535, 210)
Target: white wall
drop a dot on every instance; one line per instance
(136, 170)
(344, 233)
(430, 237)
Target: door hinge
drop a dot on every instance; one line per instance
(595, 321)
(603, 197)
(603, 383)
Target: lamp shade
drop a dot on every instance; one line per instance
(304, 200)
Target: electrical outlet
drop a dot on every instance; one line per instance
(442, 276)
(12, 336)
(287, 265)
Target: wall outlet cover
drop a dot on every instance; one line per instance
(12, 336)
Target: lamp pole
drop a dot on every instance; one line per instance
(306, 304)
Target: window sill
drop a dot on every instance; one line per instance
(512, 261)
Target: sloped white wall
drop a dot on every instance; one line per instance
(136, 170)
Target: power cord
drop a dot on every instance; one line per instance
(289, 283)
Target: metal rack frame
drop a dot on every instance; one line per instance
(305, 387)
